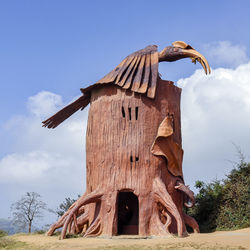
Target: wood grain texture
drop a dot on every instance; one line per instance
(129, 148)
(137, 72)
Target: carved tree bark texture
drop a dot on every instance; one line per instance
(122, 127)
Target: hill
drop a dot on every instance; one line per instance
(7, 226)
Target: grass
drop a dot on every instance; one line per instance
(8, 243)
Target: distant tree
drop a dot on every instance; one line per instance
(65, 205)
(27, 209)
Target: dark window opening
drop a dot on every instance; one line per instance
(123, 112)
(136, 113)
(137, 158)
(129, 113)
(128, 213)
(131, 158)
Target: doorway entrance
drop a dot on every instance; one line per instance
(128, 213)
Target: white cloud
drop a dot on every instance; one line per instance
(48, 161)
(23, 167)
(215, 114)
(225, 54)
(44, 103)
(33, 166)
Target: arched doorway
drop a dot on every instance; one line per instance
(128, 213)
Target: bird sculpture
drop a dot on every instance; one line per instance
(138, 72)
(134, 180)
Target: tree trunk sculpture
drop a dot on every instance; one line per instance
(134, 151)
(133, 145)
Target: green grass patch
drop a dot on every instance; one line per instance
(3, 233)
(9, 243)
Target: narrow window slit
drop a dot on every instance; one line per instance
(123, 112)
(131, 158)
(136, 112)
(129, 112)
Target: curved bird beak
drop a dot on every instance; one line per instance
(188, 51)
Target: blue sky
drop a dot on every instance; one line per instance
(40, 40)
(50, 49)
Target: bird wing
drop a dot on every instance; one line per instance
(66, 112)
(137, 72)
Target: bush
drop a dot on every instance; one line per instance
(224, 205)
(208, 202)
(3, 233)
(234, 213)
(41, 231)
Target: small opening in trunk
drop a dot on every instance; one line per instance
(131, 158)
(136, 112)
(129, 113)
(128, 213)
(123, 112)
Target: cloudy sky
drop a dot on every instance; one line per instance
(50, 49)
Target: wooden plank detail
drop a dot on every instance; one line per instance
(154, 74)
(132, 74)
(139, 75)
(144, 85)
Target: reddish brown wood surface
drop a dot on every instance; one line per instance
(122, 127)
(134, 153)
(137, 72)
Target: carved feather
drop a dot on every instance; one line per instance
(137, 72)
(66, 112)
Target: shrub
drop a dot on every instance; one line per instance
(234, 212)
(3, 233)
(224, 205)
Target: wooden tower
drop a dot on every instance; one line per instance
(134, 153)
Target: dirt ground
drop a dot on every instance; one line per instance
(239, 239)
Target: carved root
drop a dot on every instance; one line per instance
(161, 219)
(190, 221)
(162, 196)
(77, 216)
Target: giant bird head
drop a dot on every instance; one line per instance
(181, 50)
